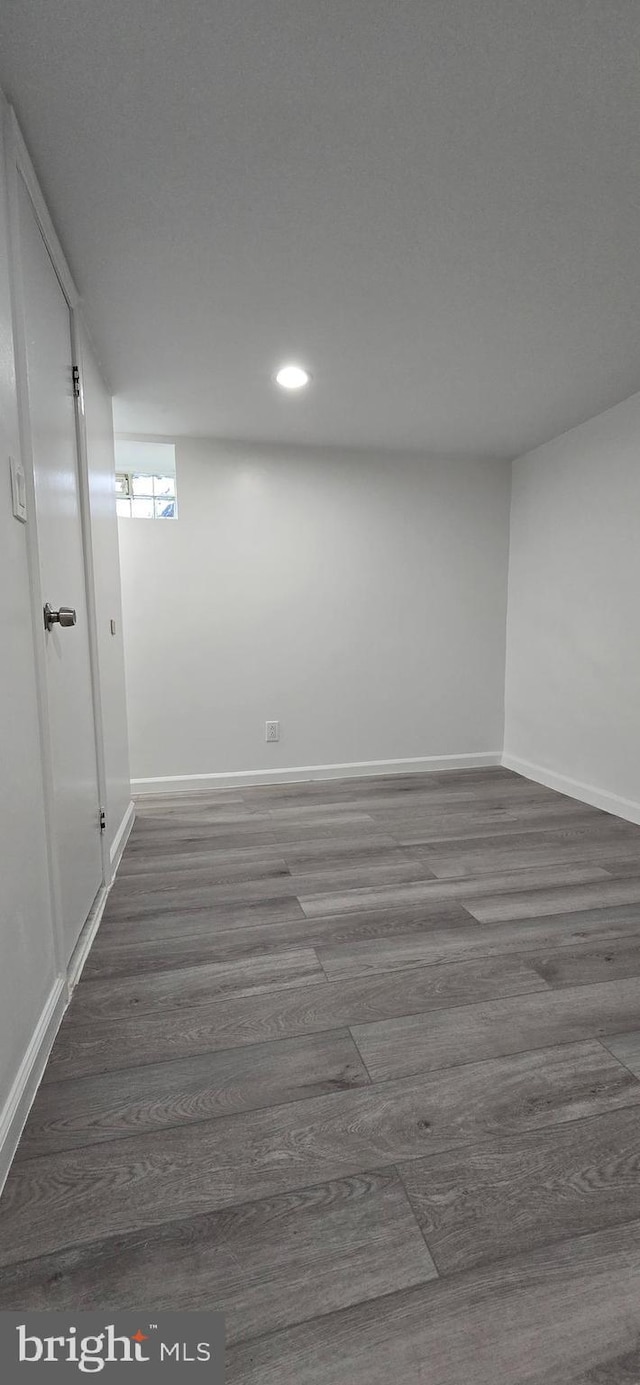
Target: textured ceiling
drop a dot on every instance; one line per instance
(434, 204)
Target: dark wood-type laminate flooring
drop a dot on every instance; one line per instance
(357, 1062)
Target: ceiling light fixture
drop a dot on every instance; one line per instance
(292, 377)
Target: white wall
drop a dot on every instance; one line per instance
(573, 647)
(360, 600)
(106, 566)
(27, 955)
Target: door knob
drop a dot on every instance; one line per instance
(65, 617)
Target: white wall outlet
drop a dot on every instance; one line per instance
(272, 730)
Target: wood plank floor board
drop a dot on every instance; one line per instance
(204, 898)
(494, 798)
(129, 887)
(264, 1264)
(614, 958)
(118, 996)
(506, 1197)
(620, 867)
(82, 1195)
(236, 914)
(492, 908)
(131, 867)
(426, 1042)
(429, 947)
(563, 1315)
(120, 1103)
(518, 887)
(516, 837)
(248, 820)
(111, 959)
(149, 835)
(336, 813)
(478, 863)
(89, 1043)
(363, 786)
(292, 831)
(275, 880)
(120, 949)
(626, 1047)
(190, 808)
(199, 822)
(189, 843)
(152, 804)
(424, 800)
(377, 852)
(342, 848)
(198, 818)
(364, 793)
(474, 777)
(424, 831)
(199, 810)
(542, 806)
(405, 789)
(393, 787)
(196, 837)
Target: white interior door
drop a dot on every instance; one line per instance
(76, 827)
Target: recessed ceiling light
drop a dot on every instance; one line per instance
(292, 377)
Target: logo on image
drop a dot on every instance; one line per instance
(177, 1344)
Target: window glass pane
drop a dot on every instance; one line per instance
(146, 485)
(166, 508)
(165, 485)
(142, 485)
(142, 508)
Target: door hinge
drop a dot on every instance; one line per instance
(75, 376)
(103, 820)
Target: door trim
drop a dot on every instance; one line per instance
(19, 166)
(19, 154)
(90, 588)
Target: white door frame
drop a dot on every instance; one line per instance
(19, 165)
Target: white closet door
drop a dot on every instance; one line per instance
(62, 577)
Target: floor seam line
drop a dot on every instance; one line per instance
(414, 1214)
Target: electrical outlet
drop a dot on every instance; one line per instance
(272, 730)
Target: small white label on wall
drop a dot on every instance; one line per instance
(18, 490)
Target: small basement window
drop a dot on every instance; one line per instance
(146, 480)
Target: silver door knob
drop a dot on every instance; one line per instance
(65, 617)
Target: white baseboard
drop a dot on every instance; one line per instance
(85, 941)
(121, 838)
(16, 1108)
(27, 1080)
(188, 783)
(625, 808)
(22, 1094)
